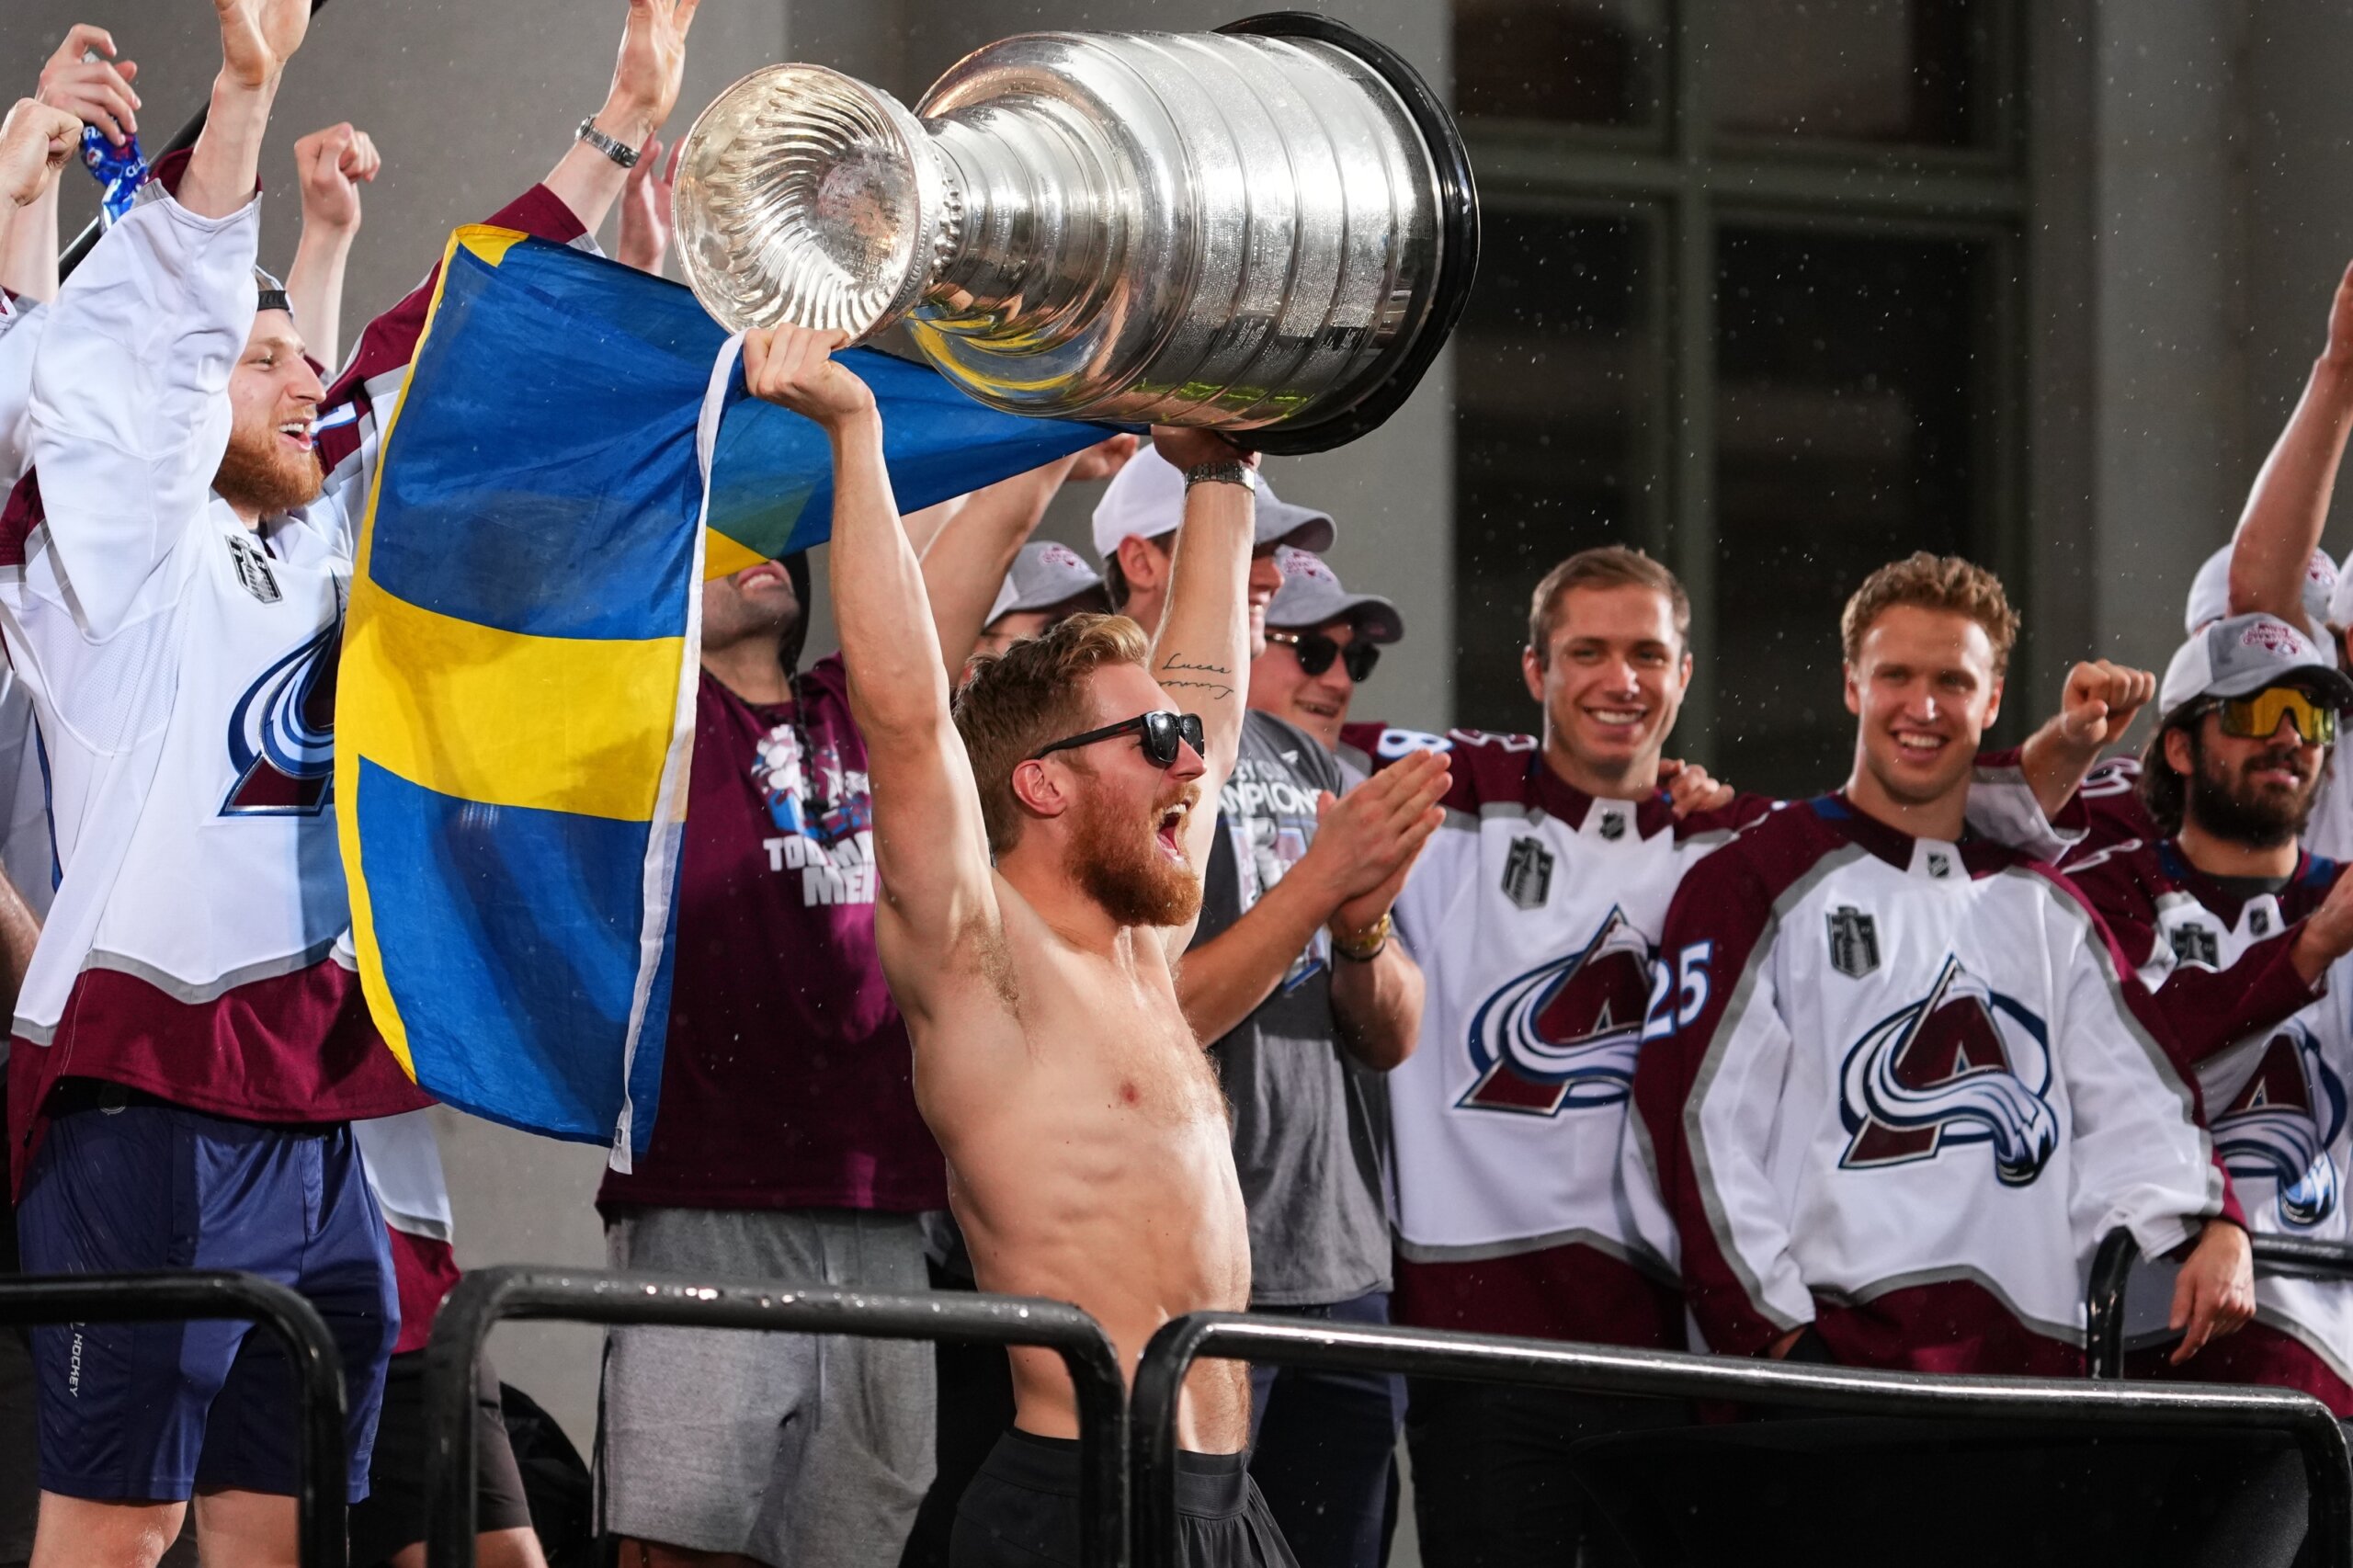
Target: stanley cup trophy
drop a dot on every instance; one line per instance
(1269, 230)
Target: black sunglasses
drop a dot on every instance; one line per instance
(1161, 733)
(1316, 653)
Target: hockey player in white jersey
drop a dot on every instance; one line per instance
(1535, 914)
(187, 1050)
(1897, 1081)
(2241, 936)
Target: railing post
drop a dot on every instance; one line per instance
(322, 1408)
(488, 1295)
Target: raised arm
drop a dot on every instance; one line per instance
(331, 165)
(36, 139)
(2288, 508)
(645, 87)
(95, 92)
(966, 559)
(1202, 656)
(2100, 702)
(937, 891)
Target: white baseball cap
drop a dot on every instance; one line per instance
(2245, 654)
(1045, 574)
(2210, 592)
(1312, 595)
(1146, 499)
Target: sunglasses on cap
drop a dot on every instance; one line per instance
(2256, 716)
(1163, 735)
(1316, 653)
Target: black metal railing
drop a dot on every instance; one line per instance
(2280, 1256)
(488, 1295)
(1160, 1379)
(198, 1295)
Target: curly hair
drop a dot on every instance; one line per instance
(1034, 693)
(1932, 582)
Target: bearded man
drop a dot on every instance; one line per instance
(2241, 934)
(191, 1044)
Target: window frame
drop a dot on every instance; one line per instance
(1680, 183)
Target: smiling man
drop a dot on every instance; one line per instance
(186, 1063)
(1322, 641)
(1536, 914)
(1895, 1082)
(2241, 934)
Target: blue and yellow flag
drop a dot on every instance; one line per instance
(574, 453)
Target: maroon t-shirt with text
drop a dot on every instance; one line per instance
(788, 1081)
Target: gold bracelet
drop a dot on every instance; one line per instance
(1367, 945)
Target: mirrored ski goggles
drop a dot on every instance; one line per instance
(1316, 653)
(2256, 716)
(1161, 733)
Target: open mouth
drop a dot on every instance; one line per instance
(765, 571)
(301, 433)
(1919, 747)
(1170, 833)
(1620, 720)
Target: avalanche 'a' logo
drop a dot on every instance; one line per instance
(2282, 1124)
(1564, 1034)
(281, 733)
(1965, 1064)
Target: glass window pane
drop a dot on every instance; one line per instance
(1891, 71)
(1549, 360)
(1573, 61)
(1848, 398)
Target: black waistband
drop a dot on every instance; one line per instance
(1208, 1486)
(73, 1096)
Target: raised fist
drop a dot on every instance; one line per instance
(333, 165)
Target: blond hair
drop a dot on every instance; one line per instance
(1932, 582)
(1030, 696)
(1605, 567)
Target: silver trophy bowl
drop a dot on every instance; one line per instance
(1268, 230)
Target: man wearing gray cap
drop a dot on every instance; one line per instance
(1322, 643)
(1292, 974)
(1048, 583)
(2240, 933)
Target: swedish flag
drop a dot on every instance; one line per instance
(574, 453)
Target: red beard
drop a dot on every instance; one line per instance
(259, 475)
(1116, 860)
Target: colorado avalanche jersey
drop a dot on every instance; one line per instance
(1535, 912)
(1899, 1089)
(2273, 1057)
(182, 669)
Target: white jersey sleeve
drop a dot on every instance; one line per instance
(1736, 1125)
(2141, 1160)
(129, 411)
(21, 329)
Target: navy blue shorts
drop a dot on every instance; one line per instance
(156, 1411)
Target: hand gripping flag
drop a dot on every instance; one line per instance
(573, 454)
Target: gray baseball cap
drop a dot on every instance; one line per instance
(2246, 654)
(2210, 592)
(1312, 595)
(1044, 576)
(1146, 499)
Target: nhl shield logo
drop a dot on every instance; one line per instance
(1939, 863)
(1613, 826)
(1527, 873)
(1854, 942)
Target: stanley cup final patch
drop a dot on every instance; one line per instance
(1527, 873)
(253, 569)
(1854, 942)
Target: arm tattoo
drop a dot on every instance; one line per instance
(1222, 689)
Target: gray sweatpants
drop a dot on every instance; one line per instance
(801, 1450)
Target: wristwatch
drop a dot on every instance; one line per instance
(1225, 470)
(1367, 945)
(617, 150)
